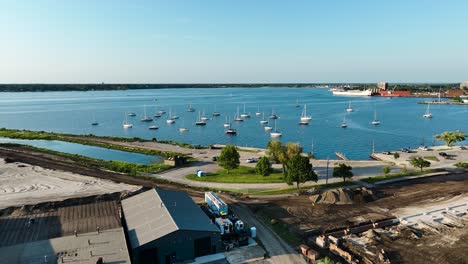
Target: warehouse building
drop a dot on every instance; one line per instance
(166, 226)
(90, 232)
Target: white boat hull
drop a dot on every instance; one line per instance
(353, 93)
(275, 134)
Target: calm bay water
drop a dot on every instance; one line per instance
(88, 151)
(402, 124)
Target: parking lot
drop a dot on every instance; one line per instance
(433, 154)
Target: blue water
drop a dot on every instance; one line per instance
(88, 151)
(402, 124)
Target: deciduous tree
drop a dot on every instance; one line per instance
(419, 162)
(451, 137)
(229, 158)
(299, 170)
(263, 167)
(343, 171)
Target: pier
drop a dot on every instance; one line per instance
(341, 156)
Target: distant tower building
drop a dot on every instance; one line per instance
(464, 85)
(382, 85)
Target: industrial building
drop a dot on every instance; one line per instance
(382, 85)
(166, 226)
(464, 85)
(85, 233)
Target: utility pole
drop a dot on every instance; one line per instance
(328, 162)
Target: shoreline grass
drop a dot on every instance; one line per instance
(78, 139)
(112, 165)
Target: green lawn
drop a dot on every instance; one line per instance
(242, 174)
(462, 165)
(432, 158)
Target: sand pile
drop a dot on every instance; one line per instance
(23, 184)
(343, 196)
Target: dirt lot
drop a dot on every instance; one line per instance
(302, 215)
(75, 165)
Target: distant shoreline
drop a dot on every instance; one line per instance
(122, 87)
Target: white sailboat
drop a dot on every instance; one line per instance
(183, 128)
(344, 124)
(230, 130)
(204, 117)
(227, 124)
(200, 121)
(349, 109)
(304, 116)
(237, 118)
(267, 128)
(215, 113)
(376, 122)
(190, 108)
(153, 127)
(157, 114)
(145, 117)
(428, 112)
(169, 120)
(258, 111)
(245, 114)
(263, 121)
(125, 123)
(275, 133)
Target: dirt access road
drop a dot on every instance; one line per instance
(278, 250)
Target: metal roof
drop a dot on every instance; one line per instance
(156, 213)
(81, 249)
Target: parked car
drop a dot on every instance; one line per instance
(215, 158)
(443, 154)
(251, 160)
(386, 152)
(405, 150)
(425, 148)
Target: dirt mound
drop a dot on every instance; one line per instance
(343, 196)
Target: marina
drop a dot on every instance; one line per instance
(401, 119)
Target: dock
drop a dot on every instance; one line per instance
(375, 157)
(341, 156)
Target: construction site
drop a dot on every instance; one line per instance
(55, 209)
(408, 222)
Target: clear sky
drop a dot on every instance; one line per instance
(213, 41)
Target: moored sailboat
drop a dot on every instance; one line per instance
(427, 114)
(126, 124)
(376, 122)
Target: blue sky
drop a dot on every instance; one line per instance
(213, 41)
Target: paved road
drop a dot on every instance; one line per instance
(361, 169)
(279, 251)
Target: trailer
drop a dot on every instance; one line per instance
(224, 225)
(216, 204)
